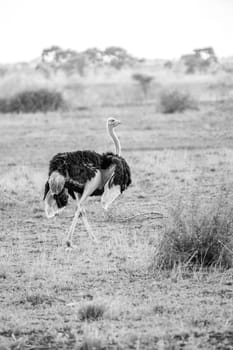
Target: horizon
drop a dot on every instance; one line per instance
(31, 60)
(174, 28)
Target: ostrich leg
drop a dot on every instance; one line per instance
(72, 227)
(90, 187)
(87, 225)
(83, 216)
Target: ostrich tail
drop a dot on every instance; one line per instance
(109, 195)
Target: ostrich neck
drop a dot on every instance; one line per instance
(115, 140)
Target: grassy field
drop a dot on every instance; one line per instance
(107, 295)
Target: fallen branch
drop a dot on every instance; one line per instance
(142, 214)
(160, 216)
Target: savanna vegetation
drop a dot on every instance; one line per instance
(161, 275)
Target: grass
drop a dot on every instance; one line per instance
(36, 298)
(198, 235)
(187, 306)
(106, 86)
(91, 311)
(92, 344)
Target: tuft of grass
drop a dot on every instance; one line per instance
(36, 299)
(199, 235)
(30, 101)
(159, 309)
(91, 311)
(92, 344)
(3, 275)
(173, 101)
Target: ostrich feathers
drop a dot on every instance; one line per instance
(70, 171)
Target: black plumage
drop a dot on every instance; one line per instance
(122, 174)
(80, 166)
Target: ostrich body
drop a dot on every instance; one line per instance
(81, 174)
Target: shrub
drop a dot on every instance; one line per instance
(91, 311)
(30, 101)
(173, 101)
(198, 235)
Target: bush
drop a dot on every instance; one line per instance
(30, 101)
(197, 236)
(173, 101)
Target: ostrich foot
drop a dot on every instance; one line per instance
(70, 246)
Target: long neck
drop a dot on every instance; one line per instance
(115, 140)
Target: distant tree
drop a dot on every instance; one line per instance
(93, 55)
(144, 81)
(168, 64)
(200, 60)
(81, 64)
(116, 51)
(56, 58)
(50, 54)
(117, 56)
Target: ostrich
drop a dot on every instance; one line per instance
(81, 174)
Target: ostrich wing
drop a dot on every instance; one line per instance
(68, 173)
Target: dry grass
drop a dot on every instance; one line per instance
(110, 87)
(198, 235)
(91, 311)
(180, 308)
(15, 82)
(92, 344)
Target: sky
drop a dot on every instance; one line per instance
(145, 28)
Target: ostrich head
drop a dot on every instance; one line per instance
(113, 122)
(55, 196)
(56, 182)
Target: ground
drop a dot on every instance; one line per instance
(43, 286)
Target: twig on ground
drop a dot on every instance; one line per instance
(133, 216)
(142, 214)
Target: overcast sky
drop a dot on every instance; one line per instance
(146, 28)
